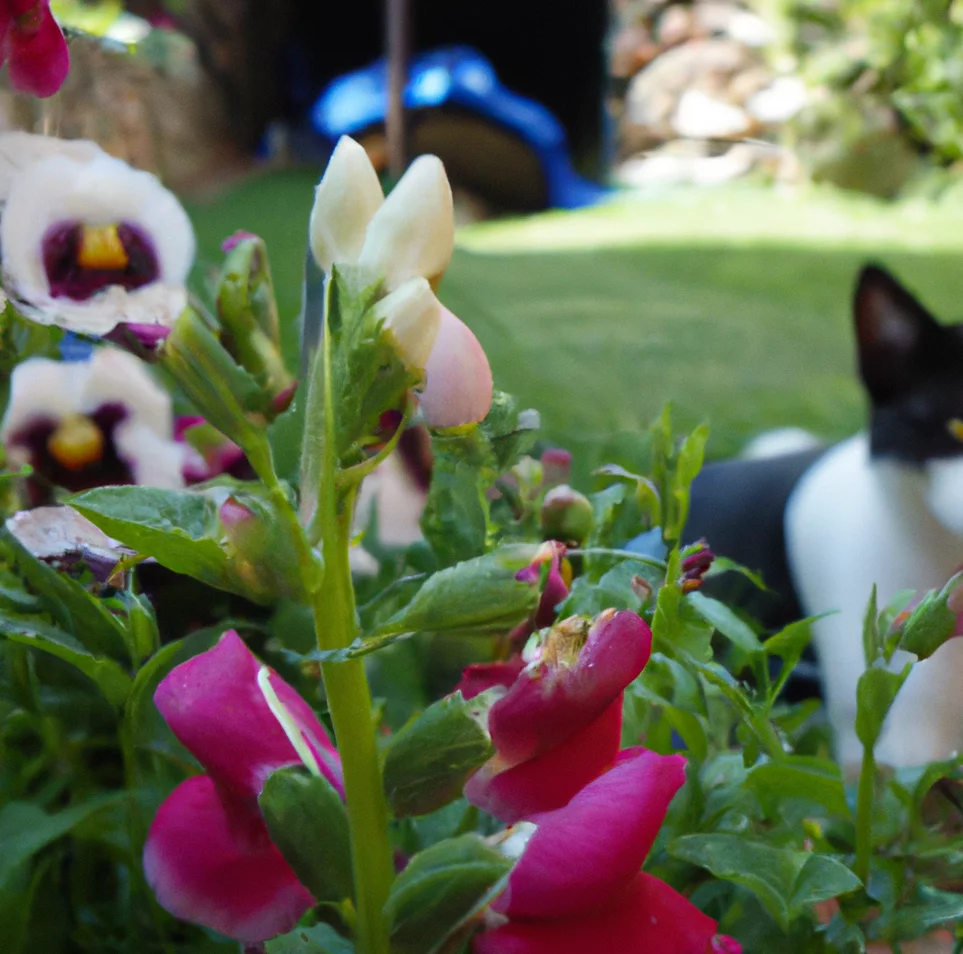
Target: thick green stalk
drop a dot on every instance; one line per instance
(864, 813)
(349, 697)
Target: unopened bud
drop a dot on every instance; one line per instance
(345, 201)
(413, 232)
(411, 316)
(695, 566)
(567, 515)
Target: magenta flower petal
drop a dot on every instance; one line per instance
(214, 706)
(551, 702)
(548, 781)
(35, 49)
(481, 676)
(210, 861)
(648, 917)
(458, 377)
(582, 853)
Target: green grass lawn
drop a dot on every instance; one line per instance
(732, 304)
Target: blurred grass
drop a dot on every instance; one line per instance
(733, 304)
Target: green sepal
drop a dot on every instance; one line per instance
(442, 887)
(308, 822)
(429, 760)
(931, 623)
(249, 318)
(225, 394)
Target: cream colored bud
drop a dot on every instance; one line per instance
(347, 197)
(411, 316)
(413, 233)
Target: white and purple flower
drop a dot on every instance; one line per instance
(84, 424)
(88, 243)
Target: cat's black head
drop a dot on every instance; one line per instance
(912, 367)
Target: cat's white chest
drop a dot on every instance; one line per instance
(852, 523)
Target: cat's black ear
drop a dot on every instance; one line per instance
(892, 328)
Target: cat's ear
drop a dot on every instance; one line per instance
(891, 330)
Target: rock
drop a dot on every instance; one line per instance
(715, 18)
(690, 162)
(700, 116)
(631, 50)
(652, 98)
(676, 25)
(778, 102)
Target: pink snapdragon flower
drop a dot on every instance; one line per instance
(208, 857)
(559, 725)
(33, 47)
(578, 886)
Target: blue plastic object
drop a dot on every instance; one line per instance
(457, 75)
(74, 348)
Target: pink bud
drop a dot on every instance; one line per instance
(458, 387)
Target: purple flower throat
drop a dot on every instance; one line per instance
(78, 266)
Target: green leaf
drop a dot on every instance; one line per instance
(875, 693)
(72, 606)
(441, 887)
(786, 881)
(110, 678)
(455, 518)
(26, 829)
(224, 393)
(726, 622)
(318, 939)
(181, 530)
(308, 822)
(479, 596)
(928, 909)
(429, 759)
(688, 463)
(930, 625)
(814, 780)
(872, 641)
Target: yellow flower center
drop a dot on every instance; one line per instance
(76, 442)
(101, 248)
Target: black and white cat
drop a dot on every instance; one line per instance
(884, 508)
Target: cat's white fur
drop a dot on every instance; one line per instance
(855, 521)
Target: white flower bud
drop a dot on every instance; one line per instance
(346, 198)
(411, 316)
(413, 233)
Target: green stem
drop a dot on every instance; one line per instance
(349, 696)
(864, 813)
(349, 701)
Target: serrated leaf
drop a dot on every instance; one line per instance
(786, 881)
(109, 677)
(429, 760)
(308, 822)
(441, 886)
(726, 622)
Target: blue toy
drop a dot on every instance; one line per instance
(463, 77)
